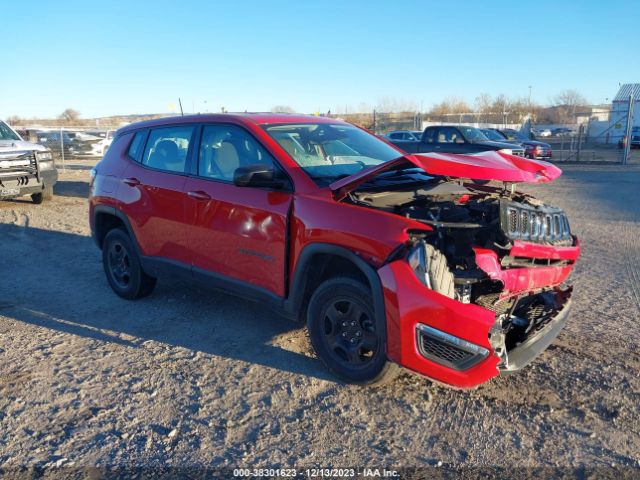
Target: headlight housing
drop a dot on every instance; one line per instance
(44, 155)
(417, 260)
(508, 151)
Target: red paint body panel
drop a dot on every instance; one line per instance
(256, 235)
(408, 302)
(520, 280)
(534, 250)
(240, 233)
(488, 166)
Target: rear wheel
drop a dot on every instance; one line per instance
(345, 333)
(123, 268)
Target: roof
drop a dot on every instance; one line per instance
(625, 92)
(256, 118)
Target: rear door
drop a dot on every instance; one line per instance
(235, 233)
(152, 191)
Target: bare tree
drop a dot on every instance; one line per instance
(393, 105)
(14, 120)
(282, 109)
(566, 104)
(69, 115)
(450, 105)
(570, 98)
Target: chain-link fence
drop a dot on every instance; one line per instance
(599, 135)
(69, 143)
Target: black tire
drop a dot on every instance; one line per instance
(345, 333)
(123, 268)
(46, 194)
(439, 273)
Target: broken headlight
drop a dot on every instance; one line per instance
(417, 259)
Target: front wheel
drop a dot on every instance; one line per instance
(46, 194)
(123, 268)
(345, 333)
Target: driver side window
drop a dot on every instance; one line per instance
(449, 135)
(225, 148)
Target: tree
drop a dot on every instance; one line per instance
(450, 105)
(570, 98)
(567, 103)
(394, 105)
(69, 115)
(282, 109)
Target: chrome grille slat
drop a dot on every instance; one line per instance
(535, 224)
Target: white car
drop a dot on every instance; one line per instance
(100, 147)
(541, 132)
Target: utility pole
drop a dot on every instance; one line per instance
(629, 129)
(530, 96)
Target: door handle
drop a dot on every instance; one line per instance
(199, 195)
(132, 181)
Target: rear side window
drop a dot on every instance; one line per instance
(167, 148)
(137, 144)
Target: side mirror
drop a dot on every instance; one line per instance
(257, 176)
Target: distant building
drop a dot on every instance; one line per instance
(620, 110)
(588, 114)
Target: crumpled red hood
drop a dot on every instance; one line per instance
(490, 165)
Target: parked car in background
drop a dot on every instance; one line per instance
(58, 142)
(389, 258)
(532, 148)
(455, 139)
(403, 136)
(25, 168)
(541, 132)
(561, 132)
(101, 147)
(635, 138)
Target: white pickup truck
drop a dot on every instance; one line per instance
(25, 168)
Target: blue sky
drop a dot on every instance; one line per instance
(119, 57)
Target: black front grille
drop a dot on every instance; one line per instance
(538, 224)
(447, 350)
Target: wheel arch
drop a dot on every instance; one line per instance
(106, 218)
(320, 261)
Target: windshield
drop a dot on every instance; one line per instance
(473, 134)
(327, 152)
(6, 133)
(493, 135)
(513, 135)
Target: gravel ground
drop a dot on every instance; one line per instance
(190, 377)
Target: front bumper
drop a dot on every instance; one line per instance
(27, 183)
(462, 353)
(522, 355)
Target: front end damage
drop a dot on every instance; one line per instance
(508, 255)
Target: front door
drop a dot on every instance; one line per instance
(237, 233)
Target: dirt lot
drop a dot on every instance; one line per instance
(190, 377)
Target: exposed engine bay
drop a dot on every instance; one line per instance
(464, 215)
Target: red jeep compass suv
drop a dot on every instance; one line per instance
(415, 260)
